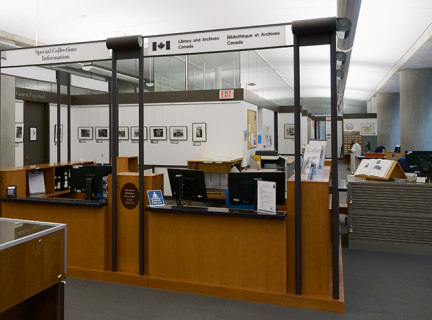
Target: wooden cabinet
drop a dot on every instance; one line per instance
(348, 139)
(18, 176)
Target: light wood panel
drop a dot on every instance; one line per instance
(316, 245)
(128, 223)
(252, 121)
(86, 230)
(247, 254)
(31, 267)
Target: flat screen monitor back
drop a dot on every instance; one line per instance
(242, 190)
(97, 172)
(193, 184)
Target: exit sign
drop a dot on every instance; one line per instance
(226, 94)
(328, 118)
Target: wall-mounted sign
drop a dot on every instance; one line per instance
(221, 40)
(226, 94)
(74, 52)
(129, 196)
(328, 118)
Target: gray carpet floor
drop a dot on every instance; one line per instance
(377, 286)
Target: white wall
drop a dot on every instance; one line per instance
(357, 125)
(286, 146)
(225, 124)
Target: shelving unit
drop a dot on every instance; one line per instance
(348, 138)
(18, 176)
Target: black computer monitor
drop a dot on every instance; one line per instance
(88, 178)
(420, 161)
(187, 184)
(242, 186)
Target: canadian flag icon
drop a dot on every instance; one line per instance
(161, 46)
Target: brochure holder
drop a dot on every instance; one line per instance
(395, 172)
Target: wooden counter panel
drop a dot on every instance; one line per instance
(316, 246)
(128, 223)
(31, 267)
(86, 230)
(14, 178)
(210, 167)
(247, 254)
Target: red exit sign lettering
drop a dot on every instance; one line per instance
(226, 94)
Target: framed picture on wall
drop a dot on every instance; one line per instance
(145, 133)
(85, 133)
(19, 132)
(158, 133)
(289, 131)
(55, 133)
(367, 128)
(178, 133)
(123, 133)
(134, 133)
(33, 134)
(102, 133)
(199, 132)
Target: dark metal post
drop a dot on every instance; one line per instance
(69, 156)
(109, 122)
(1, 164)
(334, 152)
(297, 176)
(58, 116)
(141, 159)
(114, 154)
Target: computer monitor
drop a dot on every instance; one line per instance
(88, 178)
(242, 186)
(420, 161)
(187, 184)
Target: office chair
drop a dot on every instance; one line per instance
(380, 149)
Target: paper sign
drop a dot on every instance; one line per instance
(155, 198)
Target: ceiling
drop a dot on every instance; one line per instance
(389, 34)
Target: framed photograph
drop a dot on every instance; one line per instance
(178, 133)
(55, 133)
(134, 133)
(33, 132)
(145, 133)
(158, 133)
(199, 132)
(85, 133)
(102, 133)
(289, 131)
(19, 132)
(123, 133)
(367, 128)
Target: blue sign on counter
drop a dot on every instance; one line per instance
(259, 139)
(155, 198)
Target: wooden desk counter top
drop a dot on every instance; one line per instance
(217, 160)
(57, 201)
(222, 212)
(45, 165)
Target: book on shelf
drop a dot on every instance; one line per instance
(374, 168)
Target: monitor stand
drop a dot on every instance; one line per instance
(89, 183)
(179, 189)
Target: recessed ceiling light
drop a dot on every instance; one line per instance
(83, 16)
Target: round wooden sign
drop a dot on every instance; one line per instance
(129, 196)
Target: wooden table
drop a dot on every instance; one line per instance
(215, 165)
(32, 264)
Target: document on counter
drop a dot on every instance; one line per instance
(266, 196)
(36, 182)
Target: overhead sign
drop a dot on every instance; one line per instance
(226, 94)
(81, 52)
(222, 40)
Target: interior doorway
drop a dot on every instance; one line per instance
(36, 133)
